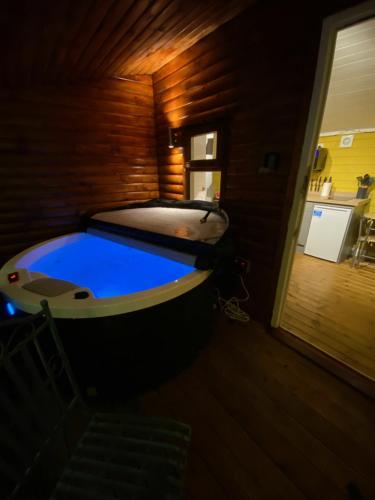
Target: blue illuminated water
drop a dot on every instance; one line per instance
(107, 268)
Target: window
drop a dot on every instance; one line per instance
(203, 146)
(204, 151)
(205, 185)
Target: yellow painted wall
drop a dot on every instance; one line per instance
(345, 164)
(216, 178)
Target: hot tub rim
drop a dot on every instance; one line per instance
(91, 307)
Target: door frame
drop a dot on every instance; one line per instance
(331, 25)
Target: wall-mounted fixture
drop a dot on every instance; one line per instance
(271, 163)
(174, 136)
(320, 157)
(346, 141)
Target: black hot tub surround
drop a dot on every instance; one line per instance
(129, 344)
(127, 354)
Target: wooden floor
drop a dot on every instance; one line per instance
(332, 306)
(268, 423)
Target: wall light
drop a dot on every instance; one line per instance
(174, 136)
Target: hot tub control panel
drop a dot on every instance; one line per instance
(13, 277)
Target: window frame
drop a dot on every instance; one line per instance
(216, 165)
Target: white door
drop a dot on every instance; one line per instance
(327, 231)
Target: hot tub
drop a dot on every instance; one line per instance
(130, 313)
(96, 274)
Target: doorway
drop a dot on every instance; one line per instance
(322, 299)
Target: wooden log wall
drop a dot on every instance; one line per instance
(257, 70)
(65, 150)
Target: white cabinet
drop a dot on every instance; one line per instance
(328, 229)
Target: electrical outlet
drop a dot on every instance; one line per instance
(241, 265)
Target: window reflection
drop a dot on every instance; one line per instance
(204, 146)
(205, 185)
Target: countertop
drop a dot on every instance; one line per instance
(354, 202)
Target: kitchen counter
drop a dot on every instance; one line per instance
(354, 202)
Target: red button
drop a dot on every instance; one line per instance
(13, 277)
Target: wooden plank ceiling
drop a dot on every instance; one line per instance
(69, 40)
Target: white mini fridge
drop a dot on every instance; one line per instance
(327, 233)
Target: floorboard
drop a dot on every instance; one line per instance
(332, 307)
(268, 423)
